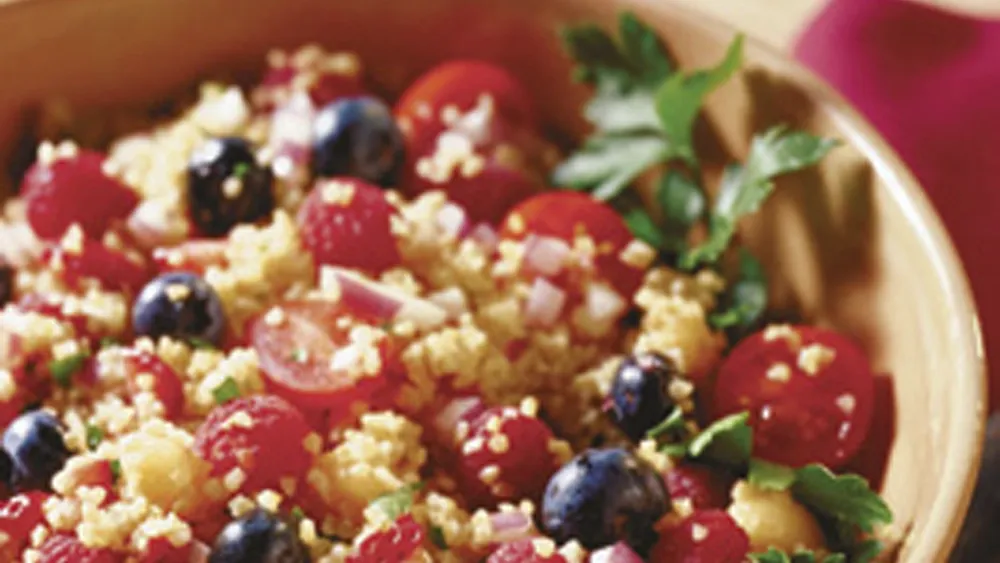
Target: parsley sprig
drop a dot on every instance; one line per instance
(643, 113)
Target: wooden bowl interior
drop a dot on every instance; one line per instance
(853, 245)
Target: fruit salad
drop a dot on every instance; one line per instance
(301, 321)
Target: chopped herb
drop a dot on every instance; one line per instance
(671, 426)
(773, 555)
(679, 100)
(226, 391)
(437, 537)
(297, 513)
(200, 343)
(643, 226)
(116, 469)
(108, 342)
(744, 188)
(240, 169)
(94, 437)
(727, 441)
(847, 498)
(398, 502)
(682, 202)
(770, 476)
(300, 355)
(63, 369)
(745, 300)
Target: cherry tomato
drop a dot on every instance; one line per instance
(297, 345)
(18, 516)
(809, 392)
(705, 536)
(166, 384)
(706, 487)
(64, 548)
(565, 215)
(461, 83)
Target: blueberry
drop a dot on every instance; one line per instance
(259, 537)
(639, 397)
(181, 305)
(605, 496)
(36, 448)
(226, 186)
(357, 137)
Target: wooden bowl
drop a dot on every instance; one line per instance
(854, 245)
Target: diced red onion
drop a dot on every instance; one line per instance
(291, 134)
(149, 224)
(511, 526)
(604, 304)
(451, 300)
(457, 410)
(485, 236)
(617, 553)
(545, 303)
(381, 300)
(452, 220)
(545, 255)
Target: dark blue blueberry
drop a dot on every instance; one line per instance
(357, 137)
(226, 186)
(259, 537)
(36, 448)
(605, 496)
(639, 397)
(181, 305)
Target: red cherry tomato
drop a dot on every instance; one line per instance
(166, 384)
(706, 487)
(461, 83)
(705, 536)
(809, 392)
(64, 548)
(400, 541)
(160, 550)
(296, 348)
(565, 215)
(18, 516)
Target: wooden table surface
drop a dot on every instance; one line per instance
(779, 21)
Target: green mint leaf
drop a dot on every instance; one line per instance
(200, 343)
(682, 202)
(108, 342)
(606, 165)
(744, 188)
(116, 469)
(866, 551)
(398, 502)
(643, 49)
(643, 226)
(746, 299)
(437, 537)
(673, 425)
(727, 441)
(676, 450)
(770, 476)
(846, 498)
(63, 369)
(680, 98)
(94, 437)
(773, 555)
(226, 391)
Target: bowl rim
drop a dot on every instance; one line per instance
(964, 449)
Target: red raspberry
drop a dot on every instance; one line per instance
(346, 222)
(113, 269)
(505, 458)
(399, 543)
(528, 550)
(18, 516)
(269, 450)
(74, 190)
(707, 535)
(324, 85)
(706, 487)
(160, 550)
(167, 384)
(63, 548)
(37, 303)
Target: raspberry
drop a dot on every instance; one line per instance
(706, 487)
(113, 269)
(268, 449)
(346, 222)
(505, 458)
(71, 190)
(707, 535)
(399, 543)
(528, 550)
(18, 516)
(62, 548)
(166, 383)
(160, 550)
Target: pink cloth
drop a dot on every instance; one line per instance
(929, 80)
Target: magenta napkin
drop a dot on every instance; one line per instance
(929, 81)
